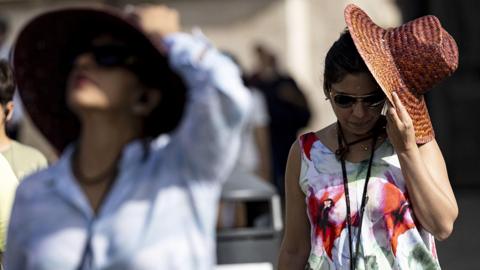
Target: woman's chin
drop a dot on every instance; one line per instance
(79, 106)
(360, 130)
(88, 101)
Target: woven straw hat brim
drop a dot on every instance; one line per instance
(41, 55)
(373, 46)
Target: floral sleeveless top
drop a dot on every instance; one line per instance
(391, 238)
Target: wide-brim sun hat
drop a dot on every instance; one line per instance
(43, 54)
(409, 59)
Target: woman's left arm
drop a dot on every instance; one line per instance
(207, 140)
(425, 174)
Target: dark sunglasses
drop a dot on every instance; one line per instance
(110, 55)
(372, 101)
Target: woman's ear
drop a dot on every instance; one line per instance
(147, 100)
(9, 110)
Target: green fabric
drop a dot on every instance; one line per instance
(24, 159)
(8, 185)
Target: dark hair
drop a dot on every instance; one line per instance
(167, 115)
(156, 73)
(342, 59)
(7, 83)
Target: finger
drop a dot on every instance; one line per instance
(161, 10)
(391, 128)
(144, 6)
(392, 115)
(401, 110)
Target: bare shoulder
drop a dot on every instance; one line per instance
(293, 170)
(294, 153)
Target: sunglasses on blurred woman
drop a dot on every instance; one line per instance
(110, 55)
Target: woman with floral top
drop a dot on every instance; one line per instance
(361, 193)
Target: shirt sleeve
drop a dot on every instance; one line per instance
(13, 258)
(207, 140)
(8, 185)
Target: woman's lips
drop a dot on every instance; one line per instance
(79, 80)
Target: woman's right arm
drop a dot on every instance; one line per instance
(295, 246)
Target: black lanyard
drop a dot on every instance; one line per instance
(342, 150)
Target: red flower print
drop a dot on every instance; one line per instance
(307, 141)
(395, 210)
(324, 227)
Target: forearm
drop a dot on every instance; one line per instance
(431, 200)
(292, 260)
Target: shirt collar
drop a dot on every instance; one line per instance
(65, 184)
(64, 181)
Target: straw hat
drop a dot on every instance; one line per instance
(42, 59)
(409, 59)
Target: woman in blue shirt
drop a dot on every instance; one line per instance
(139, 176)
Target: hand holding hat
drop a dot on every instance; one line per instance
(157, 19)
(400, 127)
(409, 60)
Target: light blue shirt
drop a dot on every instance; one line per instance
(161, 210)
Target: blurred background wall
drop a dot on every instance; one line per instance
(300, 32)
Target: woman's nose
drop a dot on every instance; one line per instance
(84, 61)
(358, 109)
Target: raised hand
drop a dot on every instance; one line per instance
(400, 128)
(157, 19)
